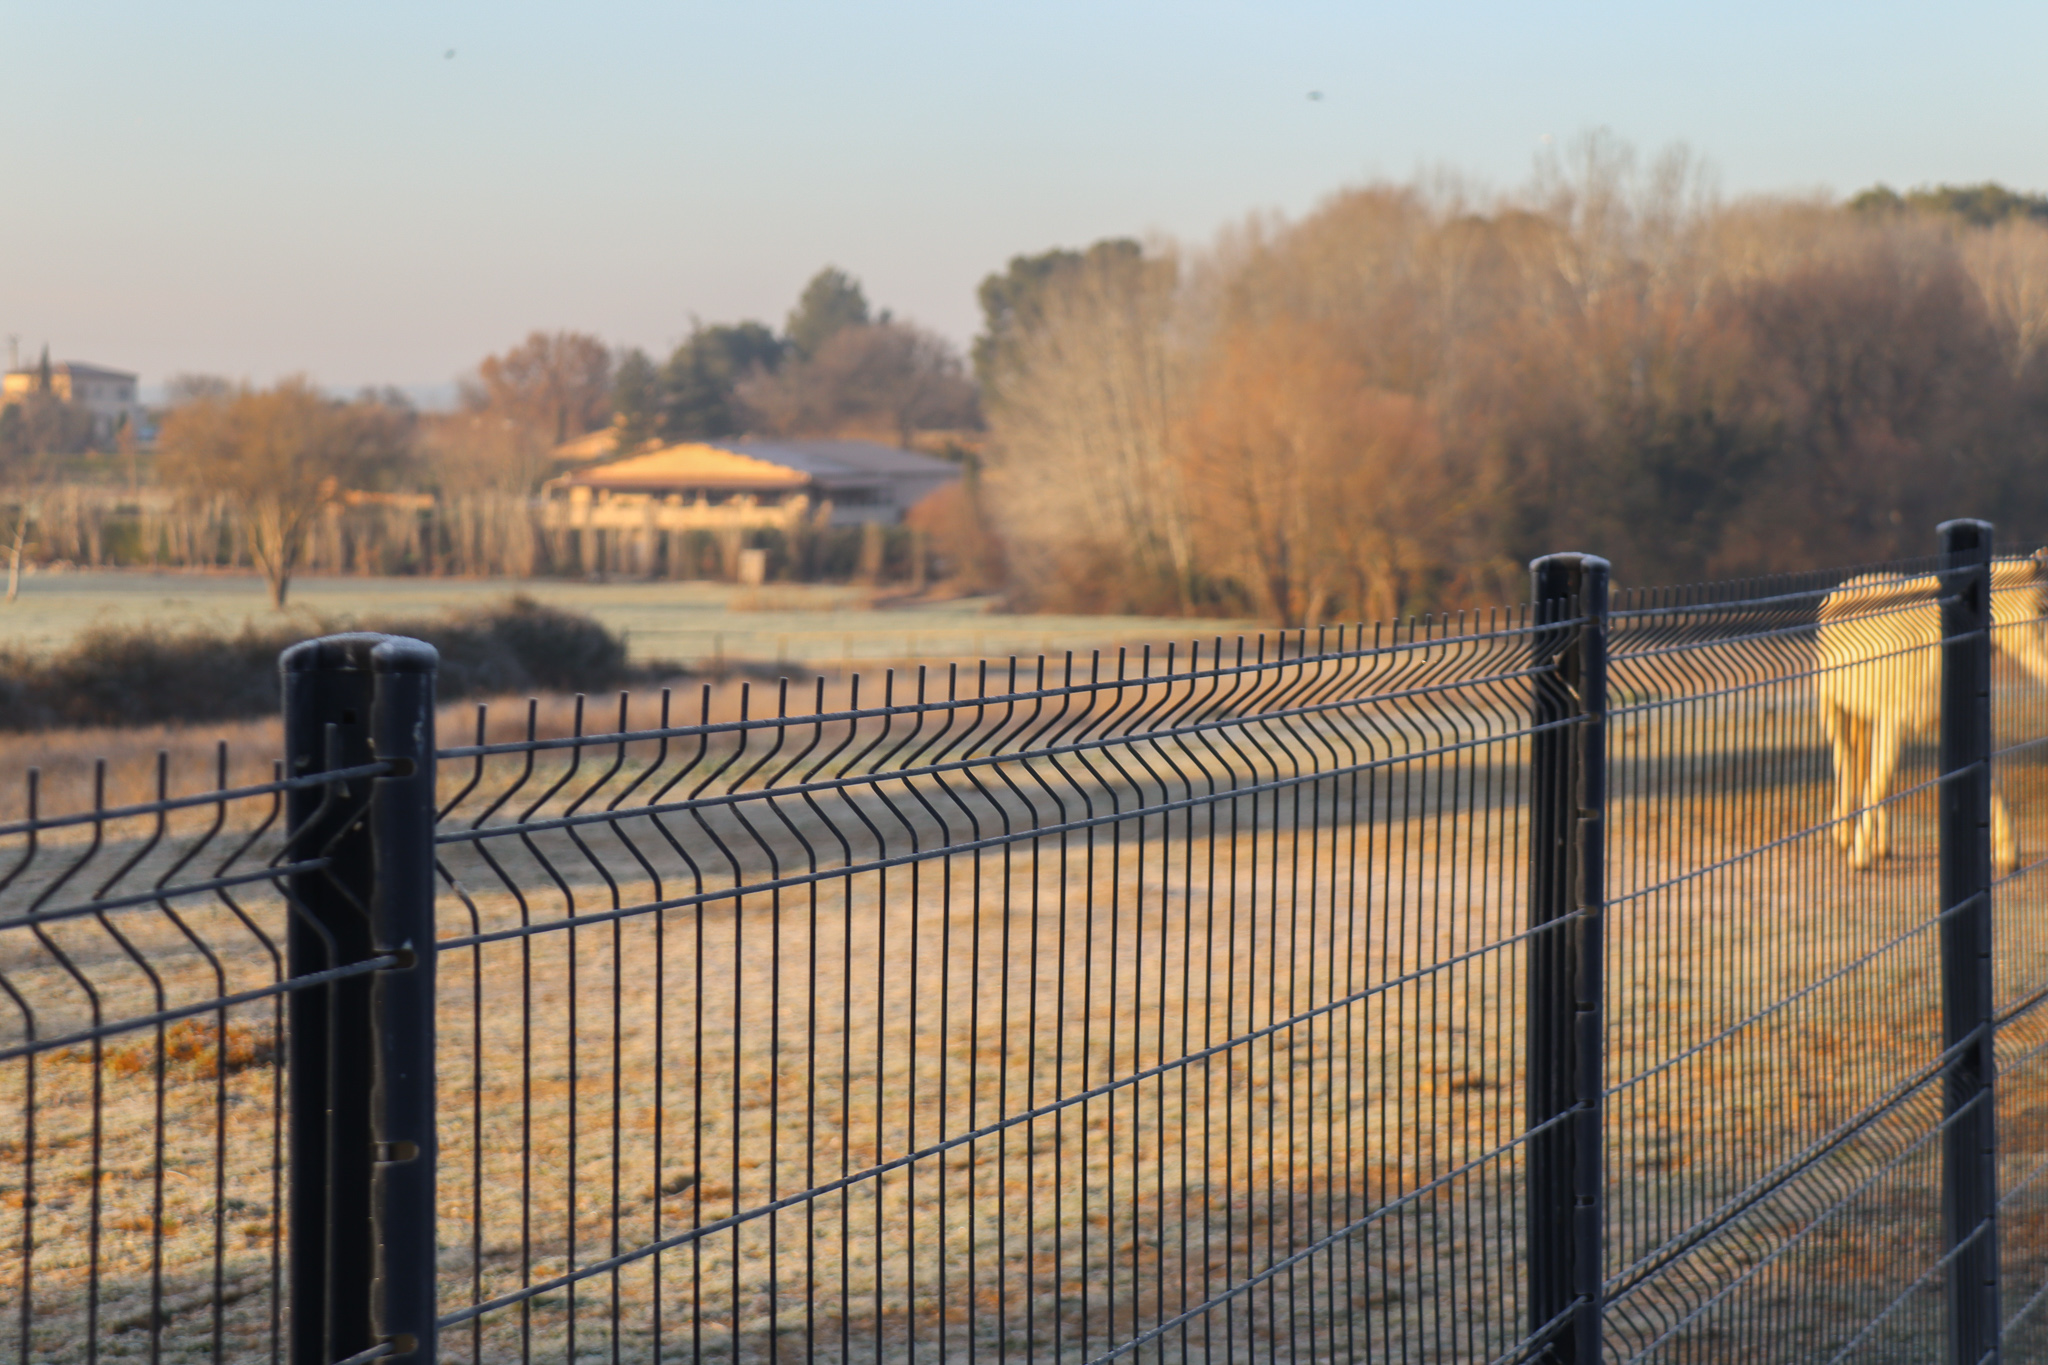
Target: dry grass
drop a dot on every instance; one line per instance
(711, 1061)
(799, 1040)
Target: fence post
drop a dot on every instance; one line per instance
(1968, 1001)
(344, 697)
(1564, 1029)
(327, 698)
(402, 1203)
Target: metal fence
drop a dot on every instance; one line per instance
(1599, 980)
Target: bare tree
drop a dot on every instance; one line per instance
(1082, 475)
(1287, 429)
(473, 452)
(889, 379)
(558, 383)
(2009, 263)
(279, 456)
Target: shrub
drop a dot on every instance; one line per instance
(143, 676)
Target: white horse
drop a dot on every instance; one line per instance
(1880, 681)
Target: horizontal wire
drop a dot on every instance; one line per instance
(213, 798)
(1518, 1354)
(285, 987)
(850, 870)
(734, 1220)
(906, 775)
(1105, 1088)
(1785, 1002)
(1039, 831)
(1962, 1245)
(165, 893)
(1217, 1300)
(2033, 1302)
(1783, 841)
(1638, 1273)
(377, 1352)
(1791, 1241)
(937, 705)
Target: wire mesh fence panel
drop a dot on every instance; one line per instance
(2020, 866)
(1230, 1003)
(1160, 1006)
(145, 980)
(1775, 1045)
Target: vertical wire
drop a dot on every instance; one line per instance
(846, 1065)
(658, 1084)
(574, 1040)
(811, 1136)
(526, 1092)
(881, 1060)
(618, 1023)
(697, 1119)
(774, 1077)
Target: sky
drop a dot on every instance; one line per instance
(383, 193)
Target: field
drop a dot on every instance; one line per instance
(724, 1057)
(1025, 1101)
(692, 624)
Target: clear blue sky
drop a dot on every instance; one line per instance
(264, 188)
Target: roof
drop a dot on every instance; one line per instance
(76, 369)
(692, 465)
(765, 466)
(592, 445)
(837, 464)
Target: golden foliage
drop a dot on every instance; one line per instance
(1395, 401)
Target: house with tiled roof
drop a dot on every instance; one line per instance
(631, 513)
(748, 484)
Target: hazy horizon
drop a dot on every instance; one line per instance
(257, 192)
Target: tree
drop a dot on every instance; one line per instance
(1082, 478)
(1287, 427)
(1013, 302)
(41, 423)
(887, 380)
(636, 398)
(702, 376)
(22, 473)
(830, 302)
(279, 456)
(558, 383)
(2009, 264)
(1984, 205)
(481, 452)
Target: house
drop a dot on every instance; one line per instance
(747, 485)
(631, 514)
(109, 395)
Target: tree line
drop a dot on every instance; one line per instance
(1392, 403)
(286, 477)
(1385, 405)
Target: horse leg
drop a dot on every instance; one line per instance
(1846, 747)
(2005, 844)
(1873, 830)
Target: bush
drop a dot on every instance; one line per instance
(140, 676)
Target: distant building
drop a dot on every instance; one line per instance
(747, 485)
(109, 395)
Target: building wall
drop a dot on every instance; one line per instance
(110, 397)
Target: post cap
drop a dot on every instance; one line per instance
(349, 652)
(360, 651)
(1964, 533)
(403, 654)
(1571, 559)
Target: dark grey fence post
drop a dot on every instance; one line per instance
(402, 1205)
(346, 699)
(1568, 794)
(1969, 1006)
